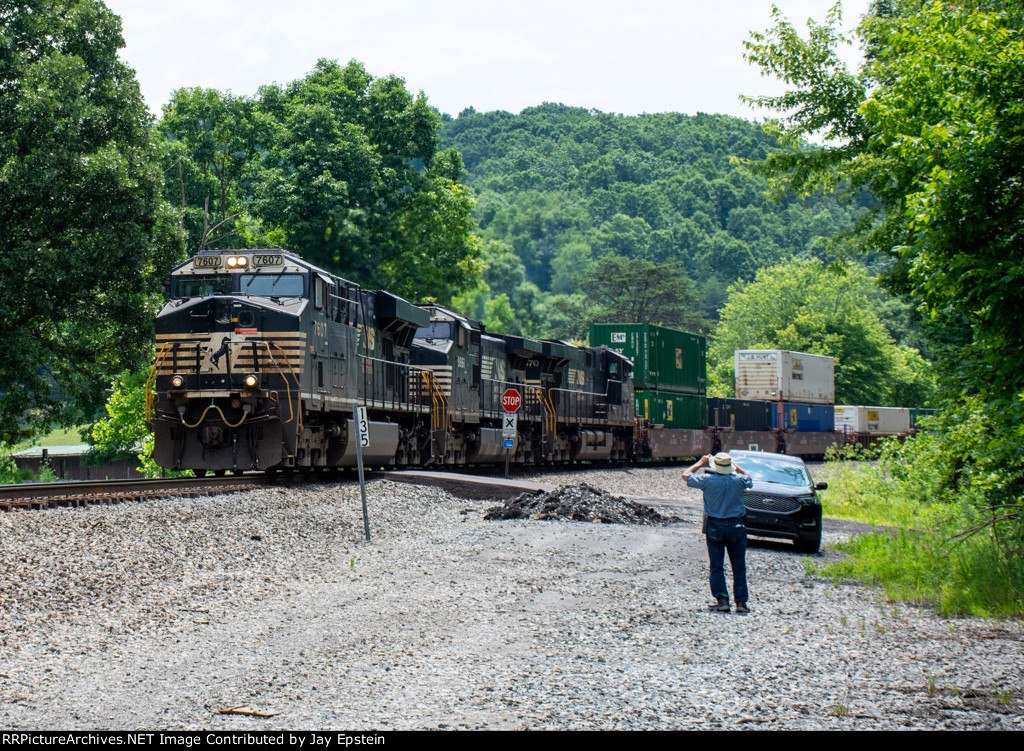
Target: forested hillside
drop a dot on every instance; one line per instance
(559, 188)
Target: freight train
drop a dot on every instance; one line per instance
(262, 360)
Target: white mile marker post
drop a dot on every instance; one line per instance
(362, 441)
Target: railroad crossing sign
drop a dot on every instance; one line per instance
(511, 400)
(508, 426)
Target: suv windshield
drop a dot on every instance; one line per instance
(777, 472)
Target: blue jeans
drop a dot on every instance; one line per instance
(727, 534)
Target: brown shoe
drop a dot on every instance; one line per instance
(741, 608)
(721, 606)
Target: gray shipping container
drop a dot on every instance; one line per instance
(778, 375)
(872, 420)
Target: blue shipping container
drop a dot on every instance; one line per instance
(804, 418)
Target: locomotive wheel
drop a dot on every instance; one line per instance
(199, 472)
(236, 472)
(219, 472)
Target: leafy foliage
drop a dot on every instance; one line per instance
(563, 188)
(805, 307)
(638, 291)
(87, 237)
(339, 165)
(120, 434)
(123, 434)
(934, 491)
(933, 127)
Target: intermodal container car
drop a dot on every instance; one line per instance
(872, 420)
(671, 410)
(739, 414)
(663, 359)
(804, 418)
(778, 375)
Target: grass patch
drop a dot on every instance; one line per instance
(921, 557)
(10, 474)
(58, 437)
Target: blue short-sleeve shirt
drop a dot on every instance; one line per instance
(723, 494)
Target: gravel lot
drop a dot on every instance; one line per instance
(158, 615)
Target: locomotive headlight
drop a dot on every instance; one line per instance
(251, 381)
(177, 381)
(242, 261)
(232, 262)
(237, 262)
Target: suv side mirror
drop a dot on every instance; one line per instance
(821, 486)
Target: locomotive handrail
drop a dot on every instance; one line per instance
(298, 388)
(526, 388)
(549, 407)
(410, 376)
(150, 381)
(437, 398)
(578, 401)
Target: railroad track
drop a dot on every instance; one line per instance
(41, 495)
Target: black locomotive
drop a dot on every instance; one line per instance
(262, 360)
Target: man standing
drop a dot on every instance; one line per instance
(724, 525)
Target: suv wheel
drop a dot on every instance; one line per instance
(810, 544)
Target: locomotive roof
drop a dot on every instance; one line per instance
(289, 256)
(435, 309)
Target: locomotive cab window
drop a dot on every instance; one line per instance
(200, 285)
(436, 330)
(267, 285)
(319, 293)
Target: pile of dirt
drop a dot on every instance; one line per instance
(582, 503)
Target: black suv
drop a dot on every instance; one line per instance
(783, 501)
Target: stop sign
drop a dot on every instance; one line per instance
(511, 400)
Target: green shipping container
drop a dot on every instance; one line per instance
(671, 410)
(663, 359)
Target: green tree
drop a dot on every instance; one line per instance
(354, 178)
(340, 166)
(86, 236)
(804, 307)
(213, 140)
(932, 126)
(638, 291)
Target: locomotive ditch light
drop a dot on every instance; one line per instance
(252, 382)
(177, 381)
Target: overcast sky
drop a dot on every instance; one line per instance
(627, 56)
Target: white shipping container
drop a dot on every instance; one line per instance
(779, 375)
(872, 420)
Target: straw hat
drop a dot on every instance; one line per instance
(722, 463)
